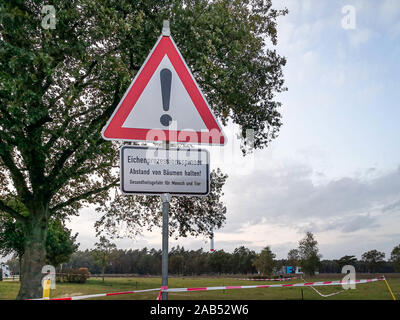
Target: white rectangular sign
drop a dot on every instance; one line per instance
(156, 171)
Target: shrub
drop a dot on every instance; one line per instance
(73, 275)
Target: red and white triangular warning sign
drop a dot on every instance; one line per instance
(164, 103)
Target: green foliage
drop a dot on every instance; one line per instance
(102, 253)
(347, 260)
(265, 263)
(395, 258)
(308, 253)
(293, 258)
(373, 259)
(242, 260)
(60, 243)
(82, 259)
(219, 261)
(176, 263)
(195, 262)
(11, 236)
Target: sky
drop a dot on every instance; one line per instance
(334, 170)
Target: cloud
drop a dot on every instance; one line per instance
(392, 207)
(359, 37)
(351, 224)
(289, 195)
(359, 222)
(389, 11)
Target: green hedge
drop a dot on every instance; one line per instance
(73, 275)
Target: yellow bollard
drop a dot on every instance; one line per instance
(46, 289)
(390, 290)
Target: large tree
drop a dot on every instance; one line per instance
(103, 252)
(265, 262)
(58, 87)
(309, 254)
(373, 259)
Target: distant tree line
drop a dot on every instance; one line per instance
(105, 258)
(181, 262)
(197, 262)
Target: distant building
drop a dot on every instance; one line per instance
(290, 270)
(5, 271)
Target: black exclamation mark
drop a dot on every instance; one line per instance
(166, 78)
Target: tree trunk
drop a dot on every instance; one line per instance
(34, 258)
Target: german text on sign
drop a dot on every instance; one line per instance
(154, 171)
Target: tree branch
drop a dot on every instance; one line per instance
(68, 152)
(16, 175)
(16, 215)
(83, 196)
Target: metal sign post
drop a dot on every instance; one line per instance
(166, 198)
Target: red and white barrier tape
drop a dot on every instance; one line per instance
(326, 295)
(161, 291)
(307, 284)
(272, 279)
(101, 295)
(165, 289)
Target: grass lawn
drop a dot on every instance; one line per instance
(368, 291)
